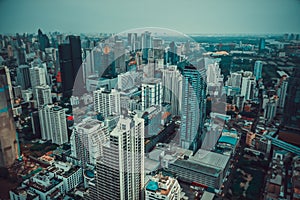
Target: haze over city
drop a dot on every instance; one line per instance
(189, 17)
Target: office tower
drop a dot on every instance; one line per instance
(120, 172)
(119, 56)
(151, 92)
(8, 140)
(292, 103)
(282, 92)
(107, 102)
(172, 88)
(37, 76)
(107, 63)
(43, 40)
(262, 44)
(162, 187)
(89, 135)
(258, 70)
(158, 50)
(70, 65)
(248, 86)
(235, 80)
(193, 107)
(53, 124)
(43, 95)
(146, 43)
(88, 65)
(21, 56)
(23, 76)
(270, 109)
(172, 56)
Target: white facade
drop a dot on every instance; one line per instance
(69, 174)
(248, 86)
(107, 103)
(151, 92)
(128, 80)
(282, 93)
(37, 76)
(172, 88)
(120, 172)
(53, 124)
(90, 135)
(270, 109)
(162, 187)
(43, 95)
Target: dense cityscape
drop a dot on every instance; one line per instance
(149, 114)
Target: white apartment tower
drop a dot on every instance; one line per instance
(43, 95)
(151, 92)
(53, 124)
(172, 88)
(107, 102)
(37, 76)
(120, 172)
(90, 135)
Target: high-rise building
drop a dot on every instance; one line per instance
(151, 92)
(193, 107)
(119, 53)
(70, 65)
(43, 95)
(43, 40)
(8, 140)
(146, 43)
(271, 109)
(248, 85)
(89, 135)
(162, 187)
(53, 124)
(262, 44)
(172, 88)
(292, 103)
(37, 76)
(107, 102)
(23, 76)
(281, 92)
(258, 69)
(120, 172)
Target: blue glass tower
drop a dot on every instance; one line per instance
(193, 108)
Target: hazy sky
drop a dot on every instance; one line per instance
(187, 16)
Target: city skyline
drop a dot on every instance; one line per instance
(201, 17)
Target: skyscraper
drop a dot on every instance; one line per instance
(258, 69)
(107, 102)
(89, 135)
(37, 76)
(172, 88)
(53, 124)
(119, 54)
(70, 62)
(120, 172)
(151, 92)
(193, 107)
(8, 142)
(23, 76)
(43, 95)
(282, 90)
(43, 40)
